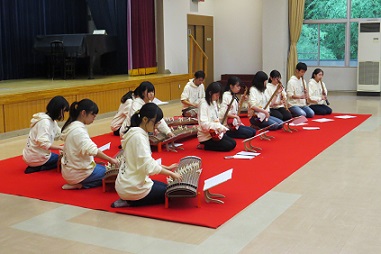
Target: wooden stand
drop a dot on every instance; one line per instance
(296, 120)
(214, 181)
(211, 197)
(249, 147)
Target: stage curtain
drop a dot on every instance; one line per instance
(295, 22)
(21, 21)
(111, 15)
(143, 34)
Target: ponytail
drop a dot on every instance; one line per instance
(149, 110)
(76, 108)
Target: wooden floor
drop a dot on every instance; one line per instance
(331, 205)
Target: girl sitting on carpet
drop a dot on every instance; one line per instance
(279, 106)
(43, 131)
(121, 114)
(133, 184)
(236, 128)
(318, 94)
(78, 166)
(144, 93)
(258, 113)
(211, 133)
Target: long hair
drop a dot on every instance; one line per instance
(144, 86)
(56, 108)
(232, 81)
(212, 88)
(149, 110)
(128, 95)
(76, 107)
(259, 81)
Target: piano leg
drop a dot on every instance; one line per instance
(91, 67)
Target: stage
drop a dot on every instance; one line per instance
(20, 99)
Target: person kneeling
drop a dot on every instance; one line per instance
(133, 184)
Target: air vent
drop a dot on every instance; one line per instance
(368, 73)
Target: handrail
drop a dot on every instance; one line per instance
(195, 52)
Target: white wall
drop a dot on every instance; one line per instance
(237, 34)
(275, 37)
(175, 35)
(249, 35)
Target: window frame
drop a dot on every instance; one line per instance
(347, 21)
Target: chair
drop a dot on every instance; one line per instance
(59, 62)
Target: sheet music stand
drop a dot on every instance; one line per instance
(296, 120)
(214, 181)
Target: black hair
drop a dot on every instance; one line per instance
(199, 74)
(76, 107)
(149, 110)
(273, 75)
(144, 86)
(259, 80)
(56, 108)
(301, 66)
(127, 96)
(316, 72)
(212, 88)
(232, 81)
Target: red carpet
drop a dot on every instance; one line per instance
(251, 178)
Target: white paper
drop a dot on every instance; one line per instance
(105, 147)
(175, 145)
(218, 179)
(345, 116)
(323, 120)
(300, 120)
(159, 102)
(248, 153)
(242, 157)
(311, 128)
(297, 124)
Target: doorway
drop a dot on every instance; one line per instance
(201, 28)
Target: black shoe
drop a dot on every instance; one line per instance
(30, 170)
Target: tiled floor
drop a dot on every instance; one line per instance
(331, 205)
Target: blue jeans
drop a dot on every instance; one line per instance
(278, 124)
(302, 111)
(155, 196)
(51, 163)
(242, 132)
(95, 179)
(321, 109)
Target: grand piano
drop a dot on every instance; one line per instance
(79, 45)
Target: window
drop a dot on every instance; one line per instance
(330, 30)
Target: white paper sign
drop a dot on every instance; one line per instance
(218, 179)
(105, 147)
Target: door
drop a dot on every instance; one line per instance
(201, 27)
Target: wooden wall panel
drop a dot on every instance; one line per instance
(163, 92)
(176, 89)
(17, 115)
(2, 124)
(16, 110)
